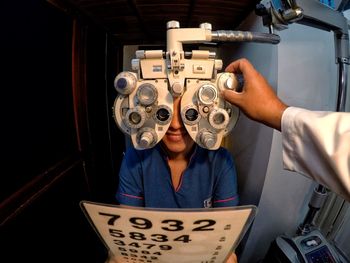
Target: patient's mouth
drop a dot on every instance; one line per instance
(175, 137)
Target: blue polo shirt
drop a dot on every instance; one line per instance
(209, 180)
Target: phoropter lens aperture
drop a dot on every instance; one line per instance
(219, 118)
(191, 114)
(135, 118)
(163, 114)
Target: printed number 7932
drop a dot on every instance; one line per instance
(169, 224)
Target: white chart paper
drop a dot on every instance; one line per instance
(143, 235)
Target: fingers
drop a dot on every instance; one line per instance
(232, 97)
(232, 258)
(240, 66)
(233, 67)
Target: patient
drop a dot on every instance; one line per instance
(177, 173)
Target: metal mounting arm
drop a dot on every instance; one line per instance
(315, 14)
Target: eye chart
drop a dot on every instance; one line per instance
(144, 235)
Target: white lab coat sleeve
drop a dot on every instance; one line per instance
(317, 144)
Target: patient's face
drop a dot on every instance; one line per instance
(177, 140)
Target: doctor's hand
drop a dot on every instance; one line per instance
(232, 258)
(257, 99)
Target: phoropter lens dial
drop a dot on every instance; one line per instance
(218, 118)
(207, 94)
(135, 118)
(147, 94)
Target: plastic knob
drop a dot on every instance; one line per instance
(231, 81)
(208, 139)
(177, 89)
(135, 64)
(173, 24)
(228, 83)
(205, 26)
(146, 139)
(125, 82)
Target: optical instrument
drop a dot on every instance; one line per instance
(143, 108)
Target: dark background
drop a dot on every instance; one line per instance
(57, 132)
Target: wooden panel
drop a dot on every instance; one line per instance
(145, 20)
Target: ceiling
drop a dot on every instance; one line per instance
(145, 20)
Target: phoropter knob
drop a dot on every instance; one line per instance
(208, 139)
(231, 81)
(146, 138)
(125, 82)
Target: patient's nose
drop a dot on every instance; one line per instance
(176, 122)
